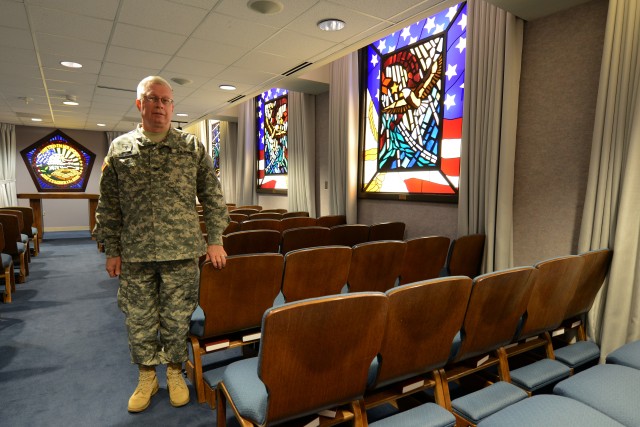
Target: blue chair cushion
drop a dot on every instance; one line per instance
(248, 393)
(478, 405)
(578, 354)
(539, 374)
(373, 372)
(24, 238)
(6, 260)
(611, 389)
(196, 326)
(628, 355)
(426, 415)
(548, 411)
(21, 247)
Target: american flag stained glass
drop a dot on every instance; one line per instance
(412, 109)
(214, 145)
(273, 121)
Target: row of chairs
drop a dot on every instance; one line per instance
(255, 241)
(413, 336)
(281, 224)
(19, 241)
(486, 314)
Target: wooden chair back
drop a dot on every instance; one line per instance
(349, 234)
(17, 214)
(465, 256)
(251, 242)
(387, 231)
(594, 271)
(315, 272)
(11, 229)
(551, 292)
(232, 227)
(244, 211)
(497, 302)
(261, 224)
(253, 207)
(234, 298)
(266, 215)
(424, 258)
(375, 266)
(316, 354)
(278, 210)
(297, 222)
(238, 217)
(27, 218)
(422, 322)
(7, 271)
(331, 220)
(295, 214)
(304, 237)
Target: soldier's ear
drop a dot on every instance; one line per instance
(139, 105)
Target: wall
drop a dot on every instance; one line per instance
(558, 90)
(60, 214)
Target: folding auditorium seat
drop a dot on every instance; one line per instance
(424, 258)
(261, 224)
(387, 231)
(349, 234)
(29, 228)
(375, 266)
(331, 220)
(314, 356)
(583, 351)
(297, 222)
(465, 256)
(7, 270)
(303, 237)
(627, 355)
(230, 307)
(610, 389)
(251, 242)
(14, 246)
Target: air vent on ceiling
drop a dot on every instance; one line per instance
(297, 68)
(117, 88)
(236, 98)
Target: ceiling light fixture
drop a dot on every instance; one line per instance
(71, 100)
(35, 119)
(71, 64)
(182, 115)
(331, 24)
(266, 7)
(101, 124)
(227, 87)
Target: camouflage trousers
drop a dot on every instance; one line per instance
(158, 299)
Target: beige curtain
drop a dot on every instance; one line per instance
(343, 137)
(199, 129)
(492, 79)
(302, 148)
(245, 168)
(8, 156)
(611, 216)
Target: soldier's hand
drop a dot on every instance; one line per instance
(217, 255)
(113, 266)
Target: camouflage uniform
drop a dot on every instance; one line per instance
(146, 215)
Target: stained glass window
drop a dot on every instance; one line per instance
(273, 120)
(214, 145)
(412, 109)
(58, 163)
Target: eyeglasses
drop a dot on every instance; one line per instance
(154, 99)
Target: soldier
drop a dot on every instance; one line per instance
(147, 219)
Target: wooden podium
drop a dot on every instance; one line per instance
(35, 201)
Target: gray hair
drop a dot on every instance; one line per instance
(148, 81)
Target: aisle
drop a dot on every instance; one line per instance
(64, 359)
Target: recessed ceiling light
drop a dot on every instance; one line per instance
(182, 115)
(266, 7)
(71, 64)
(71, 100)
(227, 87)
(35, 119)
(181, 81)
(101, 124)
(331, 24)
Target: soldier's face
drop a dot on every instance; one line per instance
(156, 115)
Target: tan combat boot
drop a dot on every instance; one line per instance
(178, 390)
(147, 387)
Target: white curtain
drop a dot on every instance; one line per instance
(612, 203)
(111, 135)
(343, 137)
(8, 165)
(492, 78)
(302, 148)
(245, 168)
(228, 140)
(199, 129)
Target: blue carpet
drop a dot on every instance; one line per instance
(64, 359)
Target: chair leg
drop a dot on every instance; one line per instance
(36, 245)
(22, 276)
(221, 405)
(9, 284)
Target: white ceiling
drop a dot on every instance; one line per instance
(209, 42)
